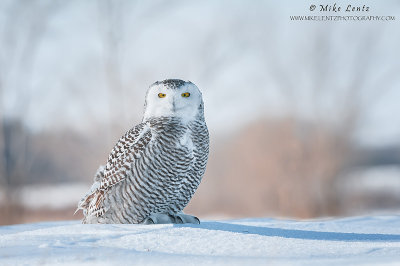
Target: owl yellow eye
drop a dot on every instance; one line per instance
(185, 94)
(161, 95)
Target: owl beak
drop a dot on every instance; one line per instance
(173, 106)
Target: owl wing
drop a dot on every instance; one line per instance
(129, 148)
(124, 143)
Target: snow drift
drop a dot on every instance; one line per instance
(356, 240)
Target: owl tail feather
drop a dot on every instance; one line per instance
(94, 203)
(77, 209)
(92, 196)
(91, 203)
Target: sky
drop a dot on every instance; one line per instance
(249, 59)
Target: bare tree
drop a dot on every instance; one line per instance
(23, 30)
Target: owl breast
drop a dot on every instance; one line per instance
(166, 175)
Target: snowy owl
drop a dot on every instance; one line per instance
(154, 169)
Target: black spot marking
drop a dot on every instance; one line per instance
(171, 83)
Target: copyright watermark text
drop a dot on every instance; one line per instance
(342, 18)
(335, 12)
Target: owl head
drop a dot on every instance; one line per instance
(173, 98)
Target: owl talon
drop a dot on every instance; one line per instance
(167, 218)
(188, 219)
(159, 218)
(179, 220)
(148, 220)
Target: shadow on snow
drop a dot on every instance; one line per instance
(293, 233)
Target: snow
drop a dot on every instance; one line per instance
(357, 240)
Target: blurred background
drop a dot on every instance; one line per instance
(303, 115)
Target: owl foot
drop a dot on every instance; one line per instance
(168, 218)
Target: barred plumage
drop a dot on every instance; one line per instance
(155, 168)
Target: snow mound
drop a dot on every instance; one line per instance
(359, 240)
